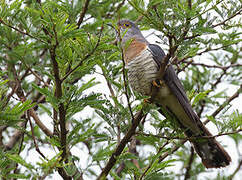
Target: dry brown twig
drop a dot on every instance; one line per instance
(83, 13)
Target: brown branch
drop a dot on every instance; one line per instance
(213, 86)
(223, 22)
(189, 165)
(173, 149)
(58, 94)
(21, 32)
(205, 51)
(221, 107)
(33, 136)
(82, 15)
(39, 123)
(212, 66)
(111, 162)
(132, 150)
(190, 138)
(215, 25)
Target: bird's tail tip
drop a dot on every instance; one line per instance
(213, 155)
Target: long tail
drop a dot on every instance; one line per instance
(172, 98)
(213, 155)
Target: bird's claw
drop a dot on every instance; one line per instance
(157, 83)
(147, 101)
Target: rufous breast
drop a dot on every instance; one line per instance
(133, 50)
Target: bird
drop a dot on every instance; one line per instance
(142, 61)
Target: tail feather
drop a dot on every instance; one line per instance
(213, 155)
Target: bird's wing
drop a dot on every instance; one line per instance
(173, 82)
(212, 153)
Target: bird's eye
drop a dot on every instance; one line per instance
(126, 25)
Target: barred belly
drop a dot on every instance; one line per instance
(142, 70)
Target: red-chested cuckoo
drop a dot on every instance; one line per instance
(143, 61)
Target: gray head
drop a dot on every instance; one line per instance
(131, 31)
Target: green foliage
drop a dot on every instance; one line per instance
(62, 89)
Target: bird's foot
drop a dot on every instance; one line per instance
(147, 101)
(157, 83)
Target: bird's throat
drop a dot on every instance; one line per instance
(133, 50)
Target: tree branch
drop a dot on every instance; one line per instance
(223, 22)
(152, 161)
(212, 66)
(215, 25)
(111, 162)
(21, 32)
(58, 94)
(33, 136)
(82, 15)
(189, 165)
(221, 107)
(189, 138)
(39, 123)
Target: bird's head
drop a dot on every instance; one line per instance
(128, 30)
(126, 25)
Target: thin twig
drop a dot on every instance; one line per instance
(189, 165)
(221, 107)
(215, 25)
(223, 22)
(124, 76)
(189, 138)
(151, 163)
(212, 66)
(33, 136)
(39, 123)
(82, 15)
(205, 51)
(21, 32)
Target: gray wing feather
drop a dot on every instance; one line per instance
(212, 153)
(173, 82)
